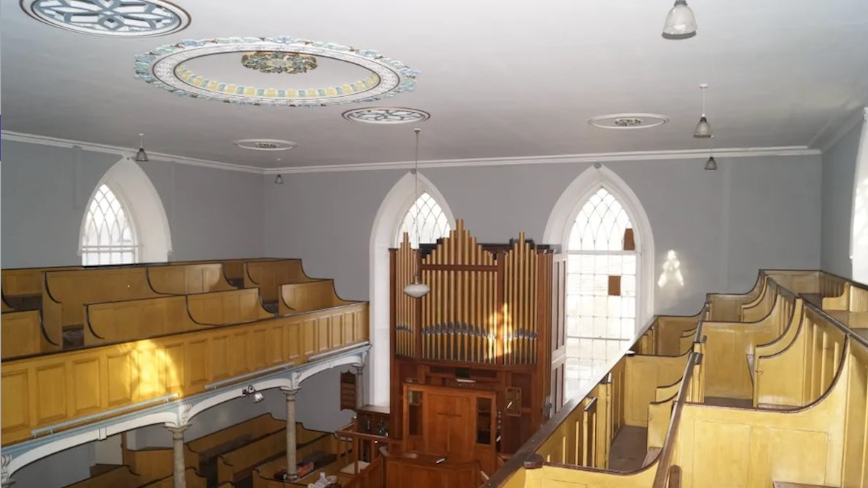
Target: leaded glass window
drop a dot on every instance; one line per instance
(601, 286)
(108, 236)
(425, 221)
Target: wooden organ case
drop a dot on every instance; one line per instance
(492, 326)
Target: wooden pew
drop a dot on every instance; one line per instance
(192, 478)
(22, 288)
(188, 279)
(762, 306)
(6, 306)
(22, 334)
(269, 275)
(308, 297)
(644, 375)
(233, 269)
(802, 371)
(131, 320)
(202, 453)
(726, 307)
(116, 477)
(325, 443)
(64, 294)
(730, 344)
(227, 307)
(240, 463)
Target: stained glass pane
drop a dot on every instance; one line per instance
(108, 236)
(425, 221)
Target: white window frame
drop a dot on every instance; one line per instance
(109, 248)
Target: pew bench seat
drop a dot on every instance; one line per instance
(651, 456)
(784, 484)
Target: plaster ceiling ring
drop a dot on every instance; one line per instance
(386, 115)
(115, 18)
(628, 121)
(164, 68)
(265, 144)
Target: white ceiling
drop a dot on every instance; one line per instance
(501, 78)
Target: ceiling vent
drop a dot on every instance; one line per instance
(265, 144)
(628, 121)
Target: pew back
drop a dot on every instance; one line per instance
(137, 319)
(188, 279)
(193, 480)
(227, 307)
(310, 296)
(269, 275)
(119, 477)
(22, 334)
(204, 448)
(239, 463)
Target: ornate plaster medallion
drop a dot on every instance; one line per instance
(166, 67)
(628, 121)
(386, 115)
(279, 62)
(265, 144)
(124, 18)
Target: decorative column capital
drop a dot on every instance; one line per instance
(177, 431)
(290, 393)
(4, 477)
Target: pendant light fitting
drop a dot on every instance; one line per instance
(703, 128)
(278, 180)
(711, 164)
(680, 22)
(141, 155)
(417, 289)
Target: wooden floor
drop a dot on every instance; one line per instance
(628, 449)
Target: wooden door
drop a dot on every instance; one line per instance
(449, 423)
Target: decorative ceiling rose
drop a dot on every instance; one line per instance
(265, 144)
(628, 121)
(386, 115)
(164, 68)
(123, 18)
(279, 62)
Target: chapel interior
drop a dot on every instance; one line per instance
(392, 244)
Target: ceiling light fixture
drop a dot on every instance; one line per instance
(278, 180)
(711, 164)
(250, 391)
(141, 155)
(680, 23)
(417, 289)
(703, 128)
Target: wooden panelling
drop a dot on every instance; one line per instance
(644, 374)
(119, 477)
(188, 279)
(136, 371)
(205, 448)
(26, 281)
(310, 296)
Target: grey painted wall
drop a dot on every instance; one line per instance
(212, 213)
(839, 171)
(724, 225)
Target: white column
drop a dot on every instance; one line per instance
(360, 386)
(290, 434)
(178, 464)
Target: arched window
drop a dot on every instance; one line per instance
(109, 236)
(601, 279)
(601, 225)
(859, 232)
(424, 221)
(124, 221)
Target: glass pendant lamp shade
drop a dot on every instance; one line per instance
(680, 23)
(278, 180)
(703, 129)
(417, 289)
(141, 155)
(711, 164)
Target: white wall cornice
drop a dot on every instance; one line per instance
(749, 152)
(123, 151)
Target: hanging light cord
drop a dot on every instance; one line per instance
(703, 100)
(416, 204)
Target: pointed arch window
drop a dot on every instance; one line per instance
(602, 269)
(108, 236)
(425, 221)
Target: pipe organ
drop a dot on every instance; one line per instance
(492, 321)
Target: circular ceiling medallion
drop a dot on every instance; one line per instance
(124, 18)
(279, 62)
(386, 115)
(628, 121)
(209, 69)
(265, 144)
